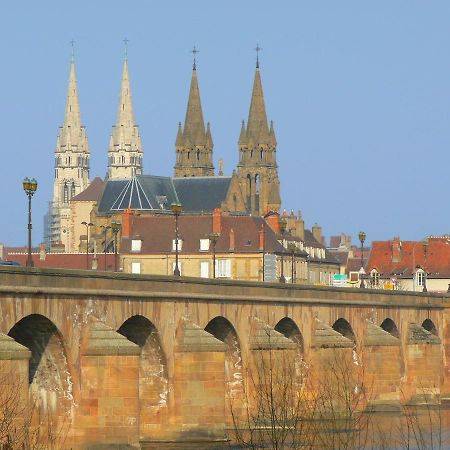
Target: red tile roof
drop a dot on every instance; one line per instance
(63, 260)
(411, 255)
(158, 232)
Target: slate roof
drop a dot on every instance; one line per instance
(156, 193)
(198, 194)
(92, 193)
(437, 263)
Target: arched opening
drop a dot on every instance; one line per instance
(389, 326)
(429, 326)
(153, 377)
(343, 327)
(257, 182)
(49, 375)
(289, 329)
(223, 330)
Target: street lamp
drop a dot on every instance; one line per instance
(282, 225)
(213, 238)
(87, 225)
(293, 250)
(29, 186)
(115, 227)
(425, 250)
(176, 209)
(362, 238)
(105, 231)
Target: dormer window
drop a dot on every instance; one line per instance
(374, 277)
(136, 245)
(204, 245)
(420, 277)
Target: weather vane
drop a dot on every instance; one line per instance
(257, 50)
(125, 41)
(194, 51)
(72, 54)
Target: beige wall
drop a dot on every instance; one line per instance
(79, 212)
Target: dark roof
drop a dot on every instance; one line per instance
(158, 232)
(201, 194)
(92, 193)
(154, 193)
(144, 192)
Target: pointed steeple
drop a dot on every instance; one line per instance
(72, 113)
(179, 140)
(257, 126)
(194, 144)
(243, 135)
(125, 149)
(194, 126)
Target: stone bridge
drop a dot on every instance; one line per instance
(148, 360)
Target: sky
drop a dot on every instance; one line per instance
(359, 93)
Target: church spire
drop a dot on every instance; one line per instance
(194, 125)
(194, 143)
(125, 148)
(257, 126)
(71, 163)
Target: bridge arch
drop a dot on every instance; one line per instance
(153, 374)
(222, 329)
(49, 375)
(343, 326)
(429, 326)
(390, 326)
(289, 329)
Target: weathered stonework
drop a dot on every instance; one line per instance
(148, 360)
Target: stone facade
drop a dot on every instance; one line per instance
(129, 360)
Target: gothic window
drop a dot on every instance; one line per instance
(251, 153)
(72, 190)
(189, 155)
(261, 154)
(198, 155)
(66, 193)
(257, 184)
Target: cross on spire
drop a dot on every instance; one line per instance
(194, 51)
(72, 53)
(257, 50)
(125, 41)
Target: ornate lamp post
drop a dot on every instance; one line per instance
(362, 238)
(29, 186)
(176, 210)
(282, 225)
(115, 227)
(213, 238)
(105, 229)
(425, 250)
(87, 225)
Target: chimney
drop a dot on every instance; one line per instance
(317, 233)
(396, 248)
(42, 252)
(217, 220)
(126, 223)
(262, 237)
(272, 219)
(231, 240)
(291, 223)
(300, 227)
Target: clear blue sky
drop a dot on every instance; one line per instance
(359, 93)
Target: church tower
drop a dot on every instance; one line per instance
(71, 164)
(257, 169)
(125, 148)
(194, 144)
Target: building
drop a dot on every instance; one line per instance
(410, 265)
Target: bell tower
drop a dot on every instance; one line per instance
(257, 169)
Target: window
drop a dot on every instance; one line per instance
(420, 277)
(72, 190)
(204, 245)
(374, 278)
(136, 245)
(223, 268)
(135, 267)
(174, 245)
(66, 193)
(204, 269)
(179, 268)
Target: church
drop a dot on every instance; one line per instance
(252, 189)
